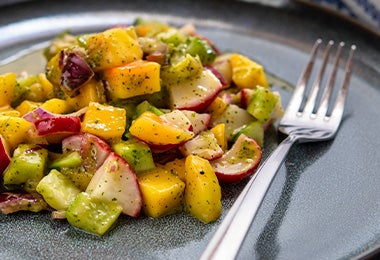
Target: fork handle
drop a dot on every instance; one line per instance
(227, 240)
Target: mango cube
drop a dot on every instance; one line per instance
(7, 85)
(56, 105)
(14, 129)
(162, 192)
(176, 167)
(247, 73)
(134, 79)
(113, 48)
(220, 134)
(203, 193)
(92, 91)
(107, 122)
(154, 130)
(26, 106)
(9, 111)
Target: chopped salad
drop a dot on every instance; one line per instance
(147, 119)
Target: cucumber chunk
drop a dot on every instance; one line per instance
(262, 104)
(27, 167)
(136, 153)
(93, 215)
(57, 190)
(254, 130)
(70, 160)
(146, 106)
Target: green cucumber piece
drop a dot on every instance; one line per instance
(254, 130)
(146, 106)
(262, 104)
(69, 160)
(27, 167)
(136, 153)
(181, 69)
(92, 214)
(197, 46)
(57, 190)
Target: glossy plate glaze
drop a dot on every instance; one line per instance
(325, 201)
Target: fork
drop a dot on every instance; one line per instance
(308, 118)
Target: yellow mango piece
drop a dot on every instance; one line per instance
(9, 111)
(7, 84)
(203, 193)
(14, 130)
(107, 122)
(153, 130)
(134, 79)
(26, 106)
(216, 107)
(53, 70)
(113, 48)
(247, 73)
(162, 192)
(92, 91)
(56, 105)
(220, 134)
(176, 167)
(46, 85)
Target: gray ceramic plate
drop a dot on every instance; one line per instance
(325, 201)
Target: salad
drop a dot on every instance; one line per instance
(140, 119)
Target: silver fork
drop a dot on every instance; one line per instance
(312, 120)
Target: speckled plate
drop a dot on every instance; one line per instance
(325, 201)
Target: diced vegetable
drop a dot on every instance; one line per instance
(57, 190)
(262, 104)
(107, 122)
(70, 160)
(219, 131)
(13, 130)
(165, 133)
(240, 161)
(93, 152)
(27, 167)
(57, 127)
(202, 193)
(136, 153)
(233, 117)
(200, 48)
(92, 91)
(176, 167)
(162, 192)
(11, 202)
(92, 214)
(5, 156)
(7, 86)
(27, 106)
(146, 106)
(195, 94)
(134, 79)
(75, 72)
(204, 145)
(246, 73)
(114, 181)
(254, 130)
(113, 48)
(181, 70)
(9, 111)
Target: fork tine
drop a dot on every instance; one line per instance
(297, 97)
(322, 110)
(310, 104)
(338, 109)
